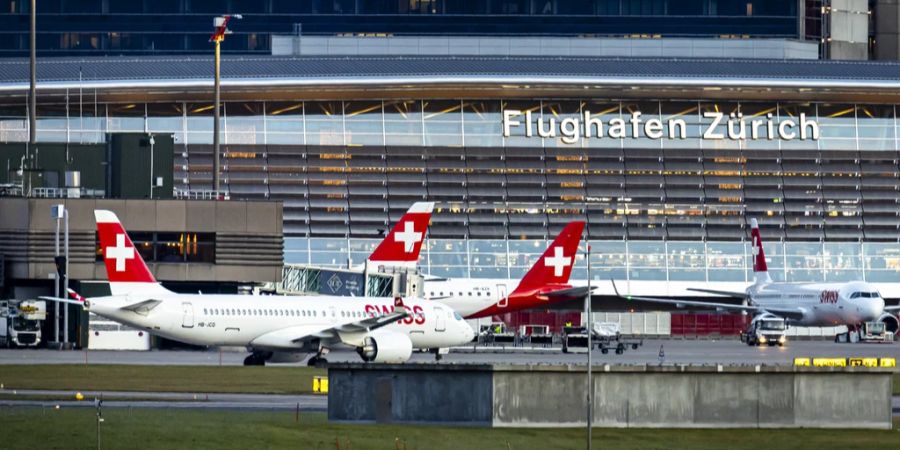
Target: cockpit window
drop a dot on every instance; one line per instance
(855, 295)
(865, 295)
(459, 317)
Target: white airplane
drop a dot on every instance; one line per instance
(273, 328)
(800, 304)
(546, 282)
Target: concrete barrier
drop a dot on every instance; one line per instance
(625, 396)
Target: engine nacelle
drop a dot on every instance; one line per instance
(385, 346)
(891, 323)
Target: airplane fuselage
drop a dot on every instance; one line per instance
(823, 304)
(239, 320)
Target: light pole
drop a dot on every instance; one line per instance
(590, 335)
(32, 96)
(221, 25)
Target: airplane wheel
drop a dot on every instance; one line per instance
(312, 361)
(634, 346)
(254, 360)
(604, 351)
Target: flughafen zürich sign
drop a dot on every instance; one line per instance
(736, 127)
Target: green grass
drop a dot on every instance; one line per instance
(231, 379)
(897, 383)
(73, 428)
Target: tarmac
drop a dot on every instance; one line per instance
(697, 352)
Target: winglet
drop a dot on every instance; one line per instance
(74, 295)
(616, 289)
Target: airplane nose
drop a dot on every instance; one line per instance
(876, 309)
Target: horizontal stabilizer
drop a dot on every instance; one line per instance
(63, 300)
(142, 307)
(575, 292)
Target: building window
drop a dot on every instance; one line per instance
(171, 247)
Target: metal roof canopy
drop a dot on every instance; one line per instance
(359, 77)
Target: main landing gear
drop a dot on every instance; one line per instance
(319, 358)
(257, 359)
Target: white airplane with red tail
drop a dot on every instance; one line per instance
(273, 328)
(545, 283)
(801, 304)
(401, 247)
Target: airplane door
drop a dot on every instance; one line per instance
(188, 320)
(440, 319)
(502, 298)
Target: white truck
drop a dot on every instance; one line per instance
(21, 321)
(765, 330)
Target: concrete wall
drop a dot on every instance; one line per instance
(887, 29)
(544, 46)
(633, 396)
(849, 30)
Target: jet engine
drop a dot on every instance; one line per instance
(385, 347)
(891, 323)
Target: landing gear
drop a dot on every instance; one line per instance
(257, 359)
(319, 358)
(316, 360)
(437, 354)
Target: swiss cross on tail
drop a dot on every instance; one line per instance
(555, 265)
(759, 256)
(123, 263)
(403, 243)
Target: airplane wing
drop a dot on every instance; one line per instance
(348, 333)
(790, 313)
(740, 295)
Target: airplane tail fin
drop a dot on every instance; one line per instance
(555, 265)
(402, 245)
(760, 268)
(125, 268)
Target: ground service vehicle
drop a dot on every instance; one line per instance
(20, 322)
(766, 331)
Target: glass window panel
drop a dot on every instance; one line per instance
(558, 111)
(647, 274)
(649, 110)
(363, 123)
(403, 122)
(726, 109)
(284, 123)
(792, 111)
(605, 112)
(482, 123)
(126, 117)
(687, 254)
(687, 274)
(324, 123)
(727, 275)
(165, 117)
(518, 135)
(759, 111)
(688, 113)
(443, 123)
(244, 123)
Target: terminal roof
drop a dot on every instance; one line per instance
(248, 72)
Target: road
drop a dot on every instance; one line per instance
(260, 402)
(710, 352)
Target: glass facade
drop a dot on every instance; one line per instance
(658, 207)
(183, 26)
(628, 260)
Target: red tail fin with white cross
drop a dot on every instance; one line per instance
(125, 268)
(402, 245)
(760, 268)
(555, 265)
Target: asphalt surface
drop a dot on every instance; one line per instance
(708, 352)
(177, 400)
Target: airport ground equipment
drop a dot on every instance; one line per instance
(867, 332)
(21, 321)
(765, 330)
(536, 335)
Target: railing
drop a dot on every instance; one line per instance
(45, 192)
(201, 194)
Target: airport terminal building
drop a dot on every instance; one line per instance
(667, 159)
